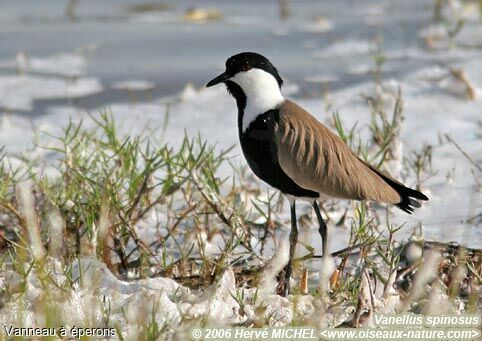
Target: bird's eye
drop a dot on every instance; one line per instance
(245, 67)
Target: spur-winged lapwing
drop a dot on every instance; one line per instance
(290, 150)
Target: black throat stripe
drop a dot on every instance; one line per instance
(261, 152)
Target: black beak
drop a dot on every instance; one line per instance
(219, 79)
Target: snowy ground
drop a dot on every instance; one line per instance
(435, 102)
(326, 54)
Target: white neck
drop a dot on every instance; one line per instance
(262, 93)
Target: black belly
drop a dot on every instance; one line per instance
(260, 150)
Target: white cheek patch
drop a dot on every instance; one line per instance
(262, 93)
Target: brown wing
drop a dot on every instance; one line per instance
(318, 160)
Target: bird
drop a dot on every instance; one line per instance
(289, 149)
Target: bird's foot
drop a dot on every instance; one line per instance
(283, 287)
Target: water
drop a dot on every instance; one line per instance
(161, 47)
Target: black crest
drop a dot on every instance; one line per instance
(247, 60)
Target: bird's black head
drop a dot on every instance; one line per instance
(244, 62)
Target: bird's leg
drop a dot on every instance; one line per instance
(323, 230)
(293, 241)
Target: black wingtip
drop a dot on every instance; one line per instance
(408, 195)
(409, 198)
(406, 207)
(408, 204)
(415, 194)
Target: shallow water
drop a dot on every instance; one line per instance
(161, 47)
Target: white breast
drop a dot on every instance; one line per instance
(262, 93)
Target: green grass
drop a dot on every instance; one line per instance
(106, 187)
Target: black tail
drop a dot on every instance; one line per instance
(408, 204)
